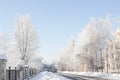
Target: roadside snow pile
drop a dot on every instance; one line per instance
(48, 76)
(96, 74)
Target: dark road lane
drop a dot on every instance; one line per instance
(79, 77)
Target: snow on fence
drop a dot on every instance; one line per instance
(14, 74)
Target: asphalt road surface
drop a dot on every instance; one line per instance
(79, 77)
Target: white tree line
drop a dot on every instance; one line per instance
(88, 51)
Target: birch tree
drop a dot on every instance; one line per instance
(91, 42)
(112, 61)
(26, 38)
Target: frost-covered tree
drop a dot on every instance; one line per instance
(36, 62)
(112, 60)
(8, 48)
(60, 61)
(26, 38)
(4, 43)
(90, 43)
(69, 54)
(65, 60)
(87, 53)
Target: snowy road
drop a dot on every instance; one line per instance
(48, 76)
(79, 77)
(66, 76)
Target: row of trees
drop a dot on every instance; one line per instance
(21, 47)
(88, 51)
(113, 53)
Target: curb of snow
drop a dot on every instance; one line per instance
(96, 74)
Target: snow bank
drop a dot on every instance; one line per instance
(48, 76)
(97, 74)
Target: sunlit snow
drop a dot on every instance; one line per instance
(48, 76)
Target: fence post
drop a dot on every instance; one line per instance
(25, 72)
(32, 72)
(15, 73)
(9, 73)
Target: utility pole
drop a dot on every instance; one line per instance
(107, 59)
(101, 59)
(83, 59)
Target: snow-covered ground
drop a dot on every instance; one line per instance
(48, 76)
(97, 74)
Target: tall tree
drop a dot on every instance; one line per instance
(26, 38)
(4, 43)
(66, 61)
(113, 53)
(91, 42)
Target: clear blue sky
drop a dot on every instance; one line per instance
(55, 20)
